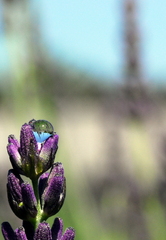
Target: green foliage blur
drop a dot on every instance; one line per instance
(112, 138)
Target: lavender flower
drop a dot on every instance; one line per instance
(32, 157)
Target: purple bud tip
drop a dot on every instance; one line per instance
(7, 231)
(69, 234)
(57, 231)
(27, 140)
(13, 140)
(20, 234)
(14, 155)
(43, 232)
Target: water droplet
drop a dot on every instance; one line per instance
(42, 129)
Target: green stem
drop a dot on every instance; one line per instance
(39, 210)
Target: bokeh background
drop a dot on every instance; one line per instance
(97, 71)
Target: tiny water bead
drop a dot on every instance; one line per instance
(42, 129)
(42, 126)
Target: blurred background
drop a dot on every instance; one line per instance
(97, 71)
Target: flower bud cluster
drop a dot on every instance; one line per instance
(35, 203)
(43, 232)
(30, 157)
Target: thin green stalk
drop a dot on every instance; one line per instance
(39, 210)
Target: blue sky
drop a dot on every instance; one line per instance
(82, 33)
(88, 34)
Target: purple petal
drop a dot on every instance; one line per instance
(14, 193)
(13, 140)
(20, 234)
(15, 157)
(43, 232)
(69, 234)
(48, 151)
(43, 182)
(54, 195)
(57, 170)
(14, 185)
(44, 176)
(29, 199)
(16, 207)
(57, 229)
(7, 231)
(27, 140)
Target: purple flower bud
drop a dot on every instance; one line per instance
(43, 182)
(8, 232)
(13, 151)
(43, 232)
(48, 151)
(20, 234)
(15, 194)
(29, 199)
(31, 158)
(13, 141)
(14, 182)
(21, 196)
(54, 194)
(57, 231)
(69, 234)
(28, 144)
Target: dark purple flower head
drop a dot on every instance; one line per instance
(36, 152)
(43, 232)
(52, 190)
(21, 197)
